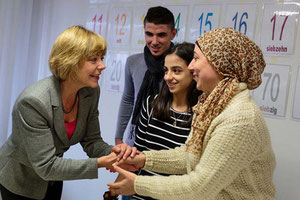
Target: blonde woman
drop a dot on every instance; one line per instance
(51, 115)
(228, 154)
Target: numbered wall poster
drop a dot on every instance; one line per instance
(271, 95)
(138, 32)
(242, 17)
(296, 104)
(279, 28)
(114, 72)
(180, 16)
(119, 26)
(97, 19)
(205, 17)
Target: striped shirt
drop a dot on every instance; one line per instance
(156, 134)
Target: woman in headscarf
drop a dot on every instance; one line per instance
(228, 154)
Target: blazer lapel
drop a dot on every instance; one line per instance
(58, 119)
(85, 99)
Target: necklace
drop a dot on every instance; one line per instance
(175, 118)
(67, 112)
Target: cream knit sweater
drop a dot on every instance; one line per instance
(237, 160)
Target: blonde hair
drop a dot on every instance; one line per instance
(71, 47)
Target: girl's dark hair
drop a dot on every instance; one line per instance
(162, 103)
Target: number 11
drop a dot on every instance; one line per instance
(95, 21)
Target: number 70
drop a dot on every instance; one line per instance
(274, 78)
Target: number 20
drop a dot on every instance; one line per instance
(116, 73)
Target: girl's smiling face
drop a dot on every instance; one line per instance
(177, 75)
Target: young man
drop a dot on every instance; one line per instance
(144, 72)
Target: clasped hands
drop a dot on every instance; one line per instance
(123, 159)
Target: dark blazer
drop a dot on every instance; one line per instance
(32, 155)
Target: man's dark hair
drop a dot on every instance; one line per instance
(160, 15)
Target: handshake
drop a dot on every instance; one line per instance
(124, 160)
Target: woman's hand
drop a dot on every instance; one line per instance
(123, 151)
(107, 161)
(118, 179)
(124, 184)
(133, 164)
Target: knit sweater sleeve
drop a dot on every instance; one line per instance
(166, 161)
(235, 141)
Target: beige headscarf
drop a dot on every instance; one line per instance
(238, 59)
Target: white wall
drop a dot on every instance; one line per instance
(51, 17)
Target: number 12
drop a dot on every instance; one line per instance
(123, 18)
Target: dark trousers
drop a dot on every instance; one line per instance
(54, 191)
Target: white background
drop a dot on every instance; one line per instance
(27, 32)
(296, 105)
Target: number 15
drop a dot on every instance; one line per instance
(207, 22)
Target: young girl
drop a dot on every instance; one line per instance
(165, 119)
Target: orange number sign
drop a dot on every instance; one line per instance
(123, 19)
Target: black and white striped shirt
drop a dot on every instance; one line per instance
(155, 134)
